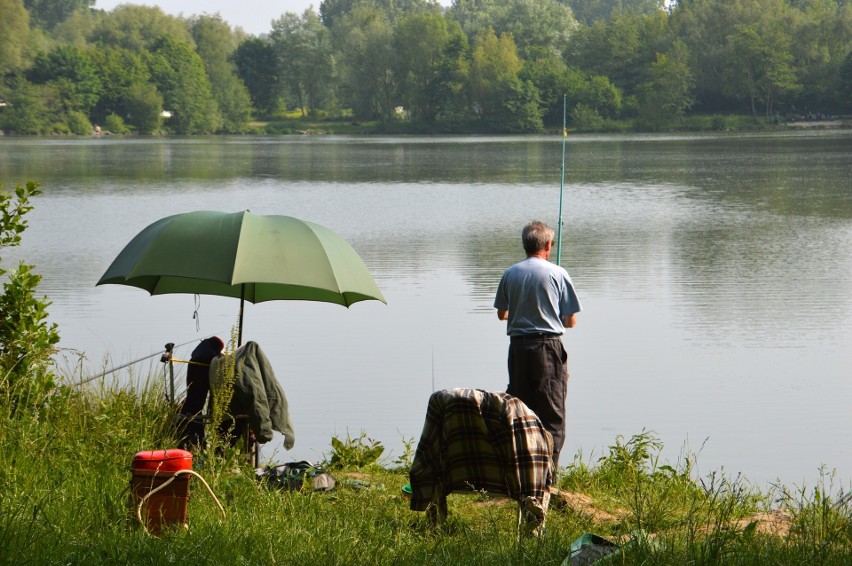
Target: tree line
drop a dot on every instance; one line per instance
(412, 65)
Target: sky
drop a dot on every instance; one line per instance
(254, 16)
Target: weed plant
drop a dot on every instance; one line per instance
(64, 499)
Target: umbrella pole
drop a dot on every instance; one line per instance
(167, 357)
(242, 305)
(250, 446)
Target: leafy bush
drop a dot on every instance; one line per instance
(59, 128)
(79, 124)
(360, 452)
(114, 124)
(719, 124)
(586, 119)
(276, 128)
(27, 341)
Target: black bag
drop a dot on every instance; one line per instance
(292, 476)
(190, 421)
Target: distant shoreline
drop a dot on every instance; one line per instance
(326, 127)
(828, 124)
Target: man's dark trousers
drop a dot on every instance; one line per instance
(538, 376)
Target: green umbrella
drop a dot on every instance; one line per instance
(240, 254)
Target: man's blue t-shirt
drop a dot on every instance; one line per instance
(538, 295)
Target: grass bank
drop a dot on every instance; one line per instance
(64, 476)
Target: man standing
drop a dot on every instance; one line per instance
(537, 299)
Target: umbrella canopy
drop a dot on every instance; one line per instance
(257, 258)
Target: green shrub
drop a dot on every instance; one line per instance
(719, 123)
(278, 128)
(360, 452)
(114, 124)
(585, 118)
(27, 341)
(59, 129)
(79, 124)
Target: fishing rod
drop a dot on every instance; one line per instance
(561, 182)
(159, 353)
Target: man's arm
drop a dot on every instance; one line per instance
(502, 315)
(569, 321)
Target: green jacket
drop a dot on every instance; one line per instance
(258, 395)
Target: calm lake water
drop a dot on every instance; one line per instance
(715, 274)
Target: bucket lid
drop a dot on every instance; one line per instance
(170, 460)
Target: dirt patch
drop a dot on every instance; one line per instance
(582, 505)
(775, 523)
(354, 476)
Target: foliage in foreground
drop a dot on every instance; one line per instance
(64, 475)
(27, 339)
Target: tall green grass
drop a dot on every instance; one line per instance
(64, 499)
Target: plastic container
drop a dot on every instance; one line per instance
(167, 507)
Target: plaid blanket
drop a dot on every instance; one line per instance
(477, 440)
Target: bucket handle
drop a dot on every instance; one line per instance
(167, 482)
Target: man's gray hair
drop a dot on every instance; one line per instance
(535, 236)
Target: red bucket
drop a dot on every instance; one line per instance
(152, 469)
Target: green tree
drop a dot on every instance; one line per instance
(765, 64)
(595, 92)
(304, 55)
(494, 63)
(14, 29)
(591, 11)
(741, 52)
(821, 40)
(543, 24)
(473, 16)
(73, 74)
(621, 49)
(365, 63)
(215, 43)
(179, 75)
(77, 29)
(534, 24)
(47, 14)
(548, 73)
(139, 28)
(128, 90)
(257, 66)
(27, 340)
(501, 100)
(585, 118)
(667, 93)
(704, 27)
(30, 109)
(144, 107)
(845, 95)
(430, 66)
(331, 11)
(555, 82)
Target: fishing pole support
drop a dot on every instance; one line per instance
(166, 358)
(167, 355)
